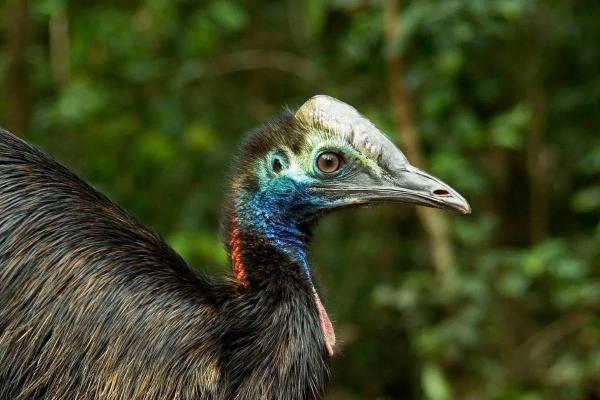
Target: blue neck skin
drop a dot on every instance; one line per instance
(276, 212)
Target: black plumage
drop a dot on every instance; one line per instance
(96, 306)
(93, 305)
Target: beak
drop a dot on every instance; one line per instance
(404, 185)
(412, 185)
(398, 181)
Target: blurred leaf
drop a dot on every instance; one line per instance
(539, 258)
(590, 160)
(229, 15)
(434, 383)
(474, 231)
(312, 16)
(49, 7)
(507, 130)
(199, 137)
(156, 149)
(449, 62)
(454, 167)
(199, 245)
(79, 102)
(513, 284)
(438, 102)
(587, 199)
(511, 9)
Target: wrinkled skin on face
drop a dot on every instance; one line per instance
(290, 184)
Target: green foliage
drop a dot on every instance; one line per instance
(505, 96)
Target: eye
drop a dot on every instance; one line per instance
(329, 162)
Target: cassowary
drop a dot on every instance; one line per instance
(94, 305)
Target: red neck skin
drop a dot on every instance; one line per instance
(239, 272)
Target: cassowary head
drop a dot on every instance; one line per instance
(326, 156)
(323, 157)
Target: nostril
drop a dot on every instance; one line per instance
(441, 192)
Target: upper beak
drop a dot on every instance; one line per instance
(407, 184)
(412, 185)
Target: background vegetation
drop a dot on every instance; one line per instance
(148, 100)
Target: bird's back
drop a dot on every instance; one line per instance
(93, 304)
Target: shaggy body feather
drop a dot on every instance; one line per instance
(93, 305)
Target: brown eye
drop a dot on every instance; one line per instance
(329, 162)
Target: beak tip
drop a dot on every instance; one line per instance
(462, 205)
(456, 202)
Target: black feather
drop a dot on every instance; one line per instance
(93, 305)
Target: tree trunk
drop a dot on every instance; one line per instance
(17, 93)
(58, 28)
(538, 165)
(433, 221)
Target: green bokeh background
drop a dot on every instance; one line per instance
(148, 100)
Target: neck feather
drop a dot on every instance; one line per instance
(274, 252)
(270, 220)
(267, 248)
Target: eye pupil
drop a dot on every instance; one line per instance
(329, 162)
(277, 166)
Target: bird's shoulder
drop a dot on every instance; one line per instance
(52, 211)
